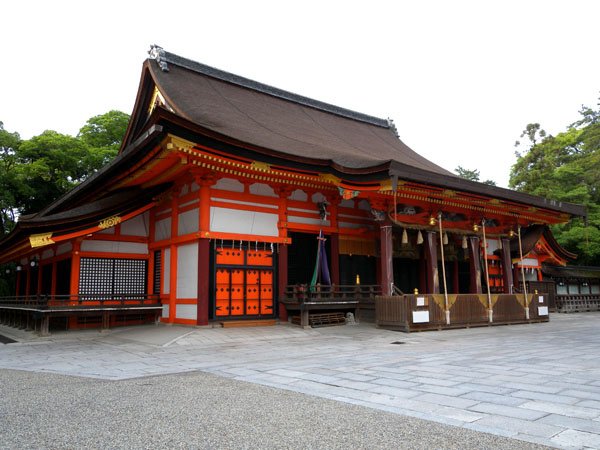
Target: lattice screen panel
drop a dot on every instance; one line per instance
(157, 272)
(130, 276)
(108, 276)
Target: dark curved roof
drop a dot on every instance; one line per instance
(531, 236)
(571, 271)
(272, 118)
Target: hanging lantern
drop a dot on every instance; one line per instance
(464, 243)
(445, 238)
(419, 238)
(404, 236)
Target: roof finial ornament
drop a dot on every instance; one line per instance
(392, 126)
(157, 53)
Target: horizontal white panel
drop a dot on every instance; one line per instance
(187, 312)
(165, 311)
(239, 202)
(308, 220)
(243, 222)
(299, 195)
(420, 316)
(64, 248)
(114, 247)
(47, 254)
(350, 225)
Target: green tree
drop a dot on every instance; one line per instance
(52, 163)
(35, 172)
(472, 175)
(566, 167)
(10, 181)
(103, 135)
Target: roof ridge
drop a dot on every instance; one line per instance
(167, 57)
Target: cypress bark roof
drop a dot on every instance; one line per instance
(272, 118)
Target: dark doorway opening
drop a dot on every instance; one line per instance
(302, 256)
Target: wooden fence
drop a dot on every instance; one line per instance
(428, 312)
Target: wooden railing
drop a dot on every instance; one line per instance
(302, 300)
(46, 302)
(577, 302)
(302, 293)
(37, 312)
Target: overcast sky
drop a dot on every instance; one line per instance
(460, 79)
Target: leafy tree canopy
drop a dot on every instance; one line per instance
(566, 167)
(35, 172)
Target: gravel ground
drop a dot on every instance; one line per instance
(203, 411)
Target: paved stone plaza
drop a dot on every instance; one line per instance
(538, 383)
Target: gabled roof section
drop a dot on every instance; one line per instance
(536, 234)
(267, 117)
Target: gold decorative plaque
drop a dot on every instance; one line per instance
(40, 240)
(110, 222)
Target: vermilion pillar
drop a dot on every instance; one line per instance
(204, 181)
(475, 265)
(282, 279)
(433, 279)
(507, 275)
(203, 281)
(386, 261)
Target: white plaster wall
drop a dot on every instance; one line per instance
(187, 271)
(493, 245)
(114, 247)
(110, 230)
(136, 226)
(364, 204)
(47, 254)
(188, 222)
(64, 248)
(244, 222)
(187, 312)
(162, 229)
(308, 220)
(167, 272)
(229, 184)
(347, 203)
(299, 195)
(318, 197)
(165, 311)
(262, 189)
(350, 225)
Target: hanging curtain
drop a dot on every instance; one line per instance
(321, 272)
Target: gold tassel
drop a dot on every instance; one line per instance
(445, 238)
(500, 244)
(464, 243)
(419, 238)
(404, 236)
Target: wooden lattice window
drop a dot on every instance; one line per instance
(100, 277)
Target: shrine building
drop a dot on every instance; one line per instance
(228, 194)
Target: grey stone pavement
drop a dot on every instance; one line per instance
(538, 383)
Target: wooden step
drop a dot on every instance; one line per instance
(248, 323)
